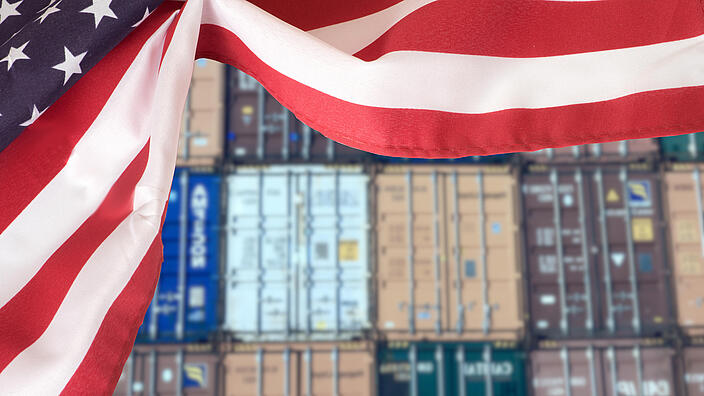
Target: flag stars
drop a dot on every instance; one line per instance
(35, 114)
(50, 9)
(100, 9)
(70, 65)
(15, 54)
(7, 10)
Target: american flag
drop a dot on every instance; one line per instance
(92, 92)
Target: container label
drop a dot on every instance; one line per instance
(480, 369)
(617, 258)
(496, 227)
(470, 270)
(545, 236)
(686, 231)
(547, 264)
(321, 251)
(348, 250)
(690, 264)
(612, 196)
(639, 193)
(649, 388)
(195, 375)
(200, 141)
(547, 299)
(199, 208)
(642, 229)
(196, 296)
(645, 262)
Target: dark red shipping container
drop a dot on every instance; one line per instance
(693, 370)
(623, 151)
(604, 368)
(595, 251)
(260, 129)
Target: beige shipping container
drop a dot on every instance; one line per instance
(298, 369)
(683, 190)
(202, 130)
(427, 287)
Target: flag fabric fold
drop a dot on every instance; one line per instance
(85, 171)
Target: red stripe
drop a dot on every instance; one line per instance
(26, 316)
(519, 28)
(29, 163)
(312, 14)
(437, 134)
(100, 370)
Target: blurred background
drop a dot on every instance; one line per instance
(294, 265)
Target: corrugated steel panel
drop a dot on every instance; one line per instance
(170, 370)
(689, 147)
(193, 213)
(201, 142)
(297, 253)
(623, 151)
(316, 369)
(449, 369)
(609, 368)
(693, 373)
(262, 130)
(595, 251)
(683, 190)
(448, 253)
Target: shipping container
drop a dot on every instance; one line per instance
(450, 369)
(595, 251)
(689, 147)
(297, 253)
(315, 369)
(202, 141)
(260, 129)
(448, 253)
(692, 374)
(622, 151)
(607, 368)
(683, 191)
(190, 237)
(170, 370)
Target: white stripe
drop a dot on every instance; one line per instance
(351, 36)
(97, 161)
(47, 365)
(460, 83)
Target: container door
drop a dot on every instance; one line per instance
(694, 371)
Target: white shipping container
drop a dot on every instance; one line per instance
(297, 254)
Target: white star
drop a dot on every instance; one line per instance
(14, 55)
(50, 9)
(70, 65)
(35, 114)
(100, 9)
(7, 10)
(146, 14)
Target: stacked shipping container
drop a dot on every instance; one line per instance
(545, 273)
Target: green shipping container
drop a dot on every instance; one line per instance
(688, 147)
(450, 369)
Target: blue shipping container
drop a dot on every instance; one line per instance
(164, 321)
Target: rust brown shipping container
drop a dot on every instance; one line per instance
(201, 141)
(595, 251)
(260, 129)
(316, 369)
(622, 151)
(606, 368)
(170, 370)
(683, 191)
(448, 253)
(693, 370)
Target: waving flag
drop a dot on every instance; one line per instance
(92, 92)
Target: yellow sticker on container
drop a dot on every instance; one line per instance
(686, 231)
(642, 229)
(348, 250)
(690, 264)
(321, 325)
(612, 196)
(247, 110)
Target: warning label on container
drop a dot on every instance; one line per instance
(348, 250)
(639, 193)
(686, 231)
(690, 264)
(612, 196)
(642, 229)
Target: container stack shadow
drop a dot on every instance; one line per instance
(294, 265)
